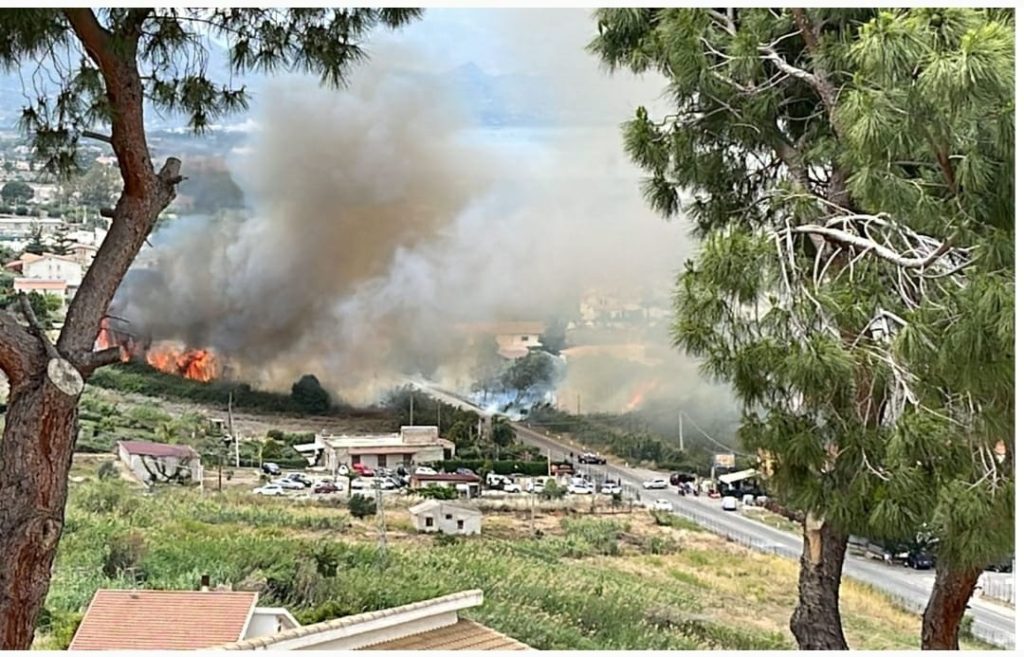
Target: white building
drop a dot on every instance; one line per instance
(440, 516)
(512, 339)
(149, 461)
(410, 446)
(52, 267)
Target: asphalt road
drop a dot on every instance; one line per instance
(993, 622)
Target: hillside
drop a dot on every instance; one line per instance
(602, 581)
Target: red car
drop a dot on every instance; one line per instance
(326, 487)
(362, 469)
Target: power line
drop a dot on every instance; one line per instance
(705, 434)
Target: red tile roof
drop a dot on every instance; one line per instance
(145, 448)
(163, 620)
(463, 635)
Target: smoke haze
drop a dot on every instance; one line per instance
(382, 215)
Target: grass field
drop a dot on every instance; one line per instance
(602, 581)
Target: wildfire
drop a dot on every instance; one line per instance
(640, 394)
(169, 357)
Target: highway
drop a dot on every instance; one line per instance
(993, 622)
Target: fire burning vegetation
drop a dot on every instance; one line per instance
(166, 356)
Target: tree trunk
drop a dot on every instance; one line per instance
(816, 623)
(35, 456)
(952, 590)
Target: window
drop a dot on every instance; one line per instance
(355, 459)
(382, 461)
(430, 521)
(448, 516)
(461, 524)
(525, 338)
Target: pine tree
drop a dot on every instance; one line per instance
(845, 236)
(35, 244)
(100, 68)
(62, 242)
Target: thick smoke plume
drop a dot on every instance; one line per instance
(381, 217)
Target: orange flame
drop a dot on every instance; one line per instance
(640, 393)
(195, 364)
(169, 357)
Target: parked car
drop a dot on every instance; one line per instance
(301, 478)
(385, 483)
(920, 560)
(512, 487)
(362, 469)
(594, 459)
(289, 484)
(729, 503)
(1004, 566)
(655, 484)
(269, 489)
(271, 469)
(326, 487)
(424, 470)
(610, 488)
(361, 483)
(464, 471)
(581, 489)
(662, 505)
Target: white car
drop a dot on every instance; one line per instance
(662, 505)
(289, 484)
(729, 503)
(580, 489)
(269, 489)
(512, 487)
(611, 489)
(655, 484)
(361, 482)
(423, 470)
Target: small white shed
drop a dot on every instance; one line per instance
(445, 517)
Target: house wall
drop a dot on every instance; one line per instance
(471, 522)
(425, 454)
(134, 463)
(516, 340)
(264, 623)
(54, 269)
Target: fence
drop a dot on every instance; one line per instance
(998, 588)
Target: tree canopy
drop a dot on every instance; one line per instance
(851, 175)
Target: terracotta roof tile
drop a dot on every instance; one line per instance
(163, 620)
(463, 635)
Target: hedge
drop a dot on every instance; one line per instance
(529, 468)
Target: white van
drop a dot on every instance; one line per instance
(729, 504)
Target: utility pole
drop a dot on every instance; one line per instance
(579, 404)
(680, 431)
(438, 403)
(381, 523)
(412, 398)
(231, 429)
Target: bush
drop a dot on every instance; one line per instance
(309, 395)
(552, 491)
(361, 506)
(434, 492)
(124, 556)
(107, 470)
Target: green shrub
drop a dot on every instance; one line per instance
(435, 492)
(124, 557)
(107, 470)
(552, 491)
(362, 506)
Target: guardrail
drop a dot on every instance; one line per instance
(998, 589)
